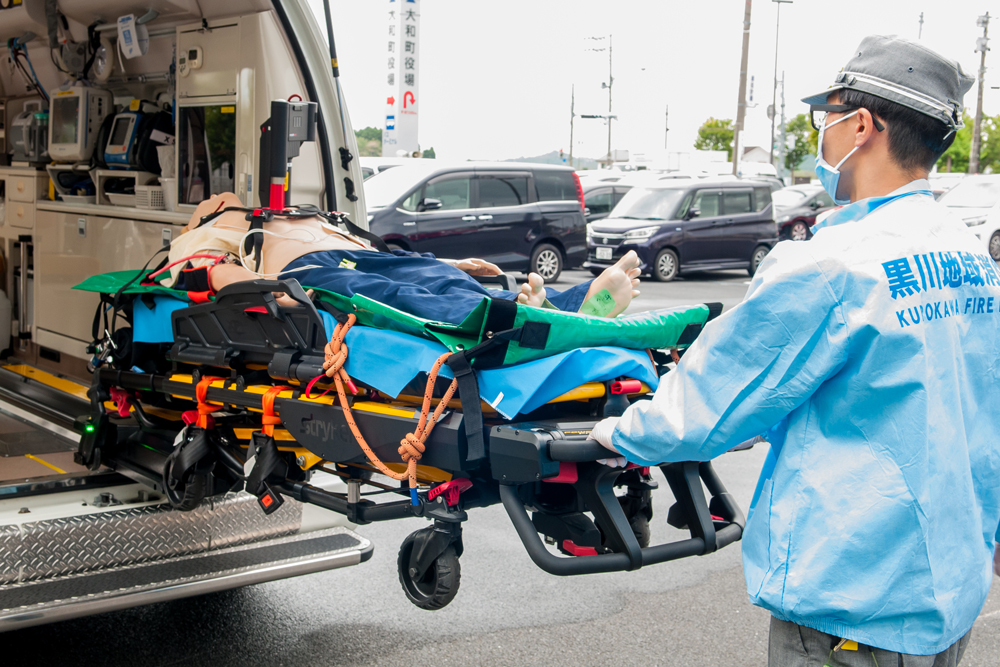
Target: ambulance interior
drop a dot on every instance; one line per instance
(109, 141)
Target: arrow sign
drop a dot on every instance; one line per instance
(390, 100)
(408, 96)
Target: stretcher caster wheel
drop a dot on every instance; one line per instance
(639, 511)
(184, 495)
(640, 527)
(439, 584)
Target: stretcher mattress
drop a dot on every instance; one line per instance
(390, 360)
(551, 331)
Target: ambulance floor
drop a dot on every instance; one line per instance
(28, 451)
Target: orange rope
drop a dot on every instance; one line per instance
(411, 448)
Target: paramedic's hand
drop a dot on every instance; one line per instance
(602, 434)
(474, 266)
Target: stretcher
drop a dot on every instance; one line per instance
(419, 418)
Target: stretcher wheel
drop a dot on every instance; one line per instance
(184, 495)
(640, 527)
(438, 586)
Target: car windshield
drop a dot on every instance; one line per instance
(387, 186)
(788, 197)
(648, 203)
(973, 193)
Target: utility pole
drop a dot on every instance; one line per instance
(666, 127)
(774, 95)
(783, 138)
(920, 32)
(572, 115)
(611, 80)
(981, 46)
(741, 108)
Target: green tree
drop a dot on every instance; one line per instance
(805, 138)
(716, 135)
(368, 134)
(956, 158)
(429, 153)
(369, 142)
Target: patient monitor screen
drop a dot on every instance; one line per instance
(65, 115)
(119, 134)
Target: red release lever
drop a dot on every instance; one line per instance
(450, 490)
(626, 387)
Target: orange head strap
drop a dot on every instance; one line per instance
(270, 420)
(204, 409)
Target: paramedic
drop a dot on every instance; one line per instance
(870, 356)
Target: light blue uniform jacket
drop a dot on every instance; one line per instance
(870, 355)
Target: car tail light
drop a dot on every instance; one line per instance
(579, 191)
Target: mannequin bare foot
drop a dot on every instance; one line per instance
(620, 280)
(533, 291)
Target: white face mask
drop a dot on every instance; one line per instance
(827, 175)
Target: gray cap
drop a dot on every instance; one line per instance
(906, 73)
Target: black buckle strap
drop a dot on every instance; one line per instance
(472, 413)
(267, 462)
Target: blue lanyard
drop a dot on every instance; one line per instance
(860, 209)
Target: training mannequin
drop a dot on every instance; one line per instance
(319, 255)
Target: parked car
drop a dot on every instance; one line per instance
(975, 200)
(989, 232)
(600, 198)
(374, 165)
(973, 197)
(520, 216)
(941, 182)
(686, 226)
(772, 181)
(795, 209)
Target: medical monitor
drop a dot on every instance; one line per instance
(121, 139)
(76, 113)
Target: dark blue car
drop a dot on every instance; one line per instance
(689, 226)
(522, 217)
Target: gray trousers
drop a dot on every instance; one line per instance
(792, 645)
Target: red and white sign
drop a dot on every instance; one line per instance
(399, 137)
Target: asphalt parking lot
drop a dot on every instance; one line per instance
(508, 612)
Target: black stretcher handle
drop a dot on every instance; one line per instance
(289, 286)
(581, 450)
(578, 451)
(692, 474)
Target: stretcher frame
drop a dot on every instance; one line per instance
(231, 356)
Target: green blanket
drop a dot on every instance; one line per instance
(561, 331)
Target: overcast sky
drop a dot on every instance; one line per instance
(496, 77)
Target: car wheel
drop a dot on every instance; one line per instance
(799, 231)
(666, 265)
(759, 253)
(547, 262)
(995, 246)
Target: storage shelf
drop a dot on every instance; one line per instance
(168, 217)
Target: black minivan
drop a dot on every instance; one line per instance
(520, 216)
(686, 226)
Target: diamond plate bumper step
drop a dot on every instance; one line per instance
(70, 596)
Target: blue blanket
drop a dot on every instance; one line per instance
(388, 361)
